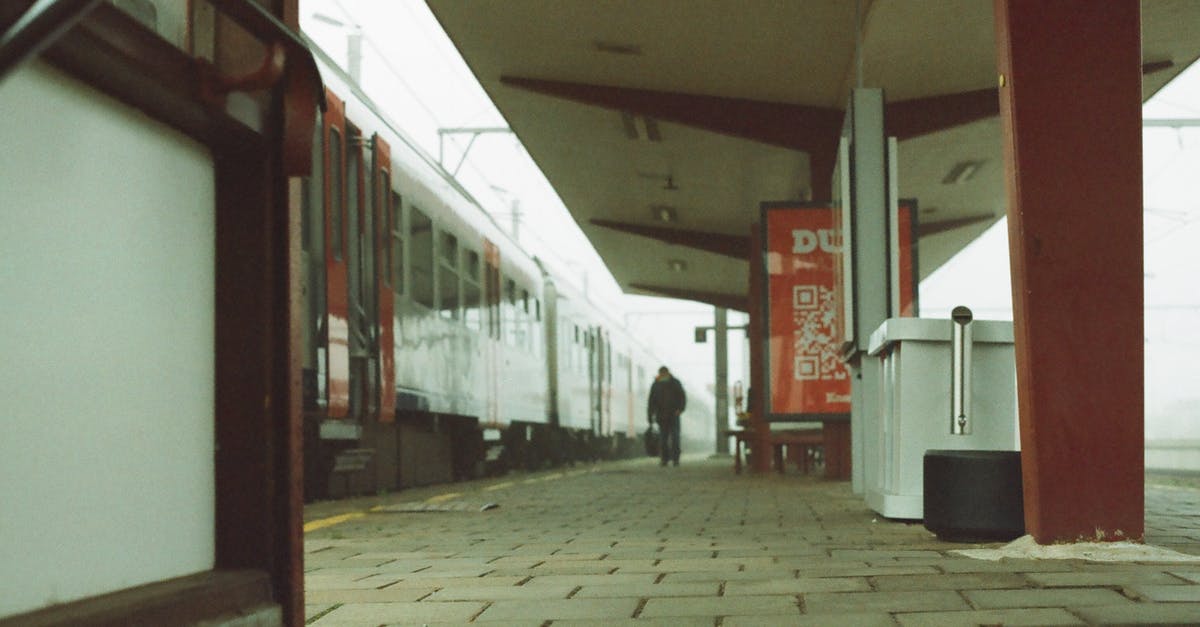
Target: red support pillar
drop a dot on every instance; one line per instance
(1070, 104)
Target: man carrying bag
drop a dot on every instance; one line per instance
(667, 401)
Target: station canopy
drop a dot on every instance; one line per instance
(663, 124)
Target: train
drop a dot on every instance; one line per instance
(435, 346)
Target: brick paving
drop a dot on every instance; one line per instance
(630, 543)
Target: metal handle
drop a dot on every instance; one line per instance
(960, 372)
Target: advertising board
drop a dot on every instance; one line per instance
(807, 378)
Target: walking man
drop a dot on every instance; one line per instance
(666, 403)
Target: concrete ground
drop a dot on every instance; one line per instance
(632, 543)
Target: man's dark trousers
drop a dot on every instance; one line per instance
(669, 426)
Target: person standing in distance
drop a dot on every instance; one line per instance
(666, 403)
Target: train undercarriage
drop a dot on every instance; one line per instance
(425, 448)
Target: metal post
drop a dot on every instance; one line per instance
(721, 330)
(869, 260)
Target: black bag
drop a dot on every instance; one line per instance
(652, 441)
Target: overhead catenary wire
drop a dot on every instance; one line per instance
(413, 93)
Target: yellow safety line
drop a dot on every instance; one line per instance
(331, 521)
(334, 520)
(443, 497)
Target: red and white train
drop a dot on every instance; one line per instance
(435, 347)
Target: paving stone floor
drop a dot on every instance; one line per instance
(630, 543)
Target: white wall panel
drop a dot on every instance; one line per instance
(107, 342)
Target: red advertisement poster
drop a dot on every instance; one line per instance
(806, 377)
(804, 366)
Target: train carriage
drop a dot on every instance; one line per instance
(435, 347)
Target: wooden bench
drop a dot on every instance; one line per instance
(806, 440)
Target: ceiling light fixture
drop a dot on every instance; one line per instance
(962, 172)
(663, 213)
(651, 127)
(640, 127)
(629, 124)
(677, 265)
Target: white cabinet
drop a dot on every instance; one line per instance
(917, 412)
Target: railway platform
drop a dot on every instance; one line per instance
(634, 543)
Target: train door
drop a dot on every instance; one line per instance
(312, 283)
(603, 372)
(607, 397)
(550, 342)
(491, 353)
(360, 255)
(386, 225)
(592, 346)
(336, 327)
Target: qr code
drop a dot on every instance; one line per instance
(816, 356)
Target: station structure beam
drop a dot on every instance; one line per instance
(1070, 103)
(810, 129)
(716, 299)
(719, 243)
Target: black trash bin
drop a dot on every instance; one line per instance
(974, 496)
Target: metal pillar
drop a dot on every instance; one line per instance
(722, 378)
(760, 460)
(1070, 106)
(870, 258)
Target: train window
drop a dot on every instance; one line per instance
(449, 249)
(509, 314)
(356, 227)
(448, 276)
(337, 180)
(313, 238)
(521, 305)
(472, 296)
(420, 244)
(470, 268)
(397, 244)
(492, 288)
(539, 328)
